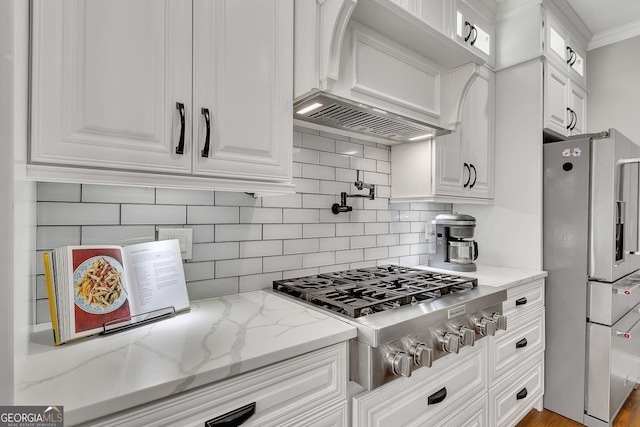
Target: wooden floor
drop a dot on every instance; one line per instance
(629, 416)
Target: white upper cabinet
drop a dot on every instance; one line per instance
(565, 103)
(242, 78)
(106, 77)
(564, 50)
(474, 31)
(131, 90)
(458, 167)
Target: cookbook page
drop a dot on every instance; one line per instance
(156, 275)
(97, 288)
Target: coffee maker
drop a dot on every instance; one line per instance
(455, 248)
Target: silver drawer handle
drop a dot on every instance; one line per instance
(627, 334)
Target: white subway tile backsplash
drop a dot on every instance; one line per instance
(57, 192)
(203, 233)
(261, 215)
(43, 314)
(300, 272)
(288, 201)
(213, 215)
(212, 288)
(363, 164)
(317, 142)
(363, 242)
(318, 201)
(260, 248)
(242, 243)
(238, 267)
(304, 185)
(117, 194)
(224, 198)
(54, 213)
(238, 232)
(175, 196)
(376, 253)
(350, 256)
(301, 216)
(52, 237)
(281, 263)
(318, 230)
(334, 243)
(318, 259)
(349, 148)
(377, 153)
(318, 172)
(333, 159)
(350, 229)
(215, 251)
(153, 214)
(387, 239)
(301, 246)
(194, 271)
(305, 155)
(333, 135)
(376, 228)
(256, 282)
(117, 234)
(409, 238)
(281, 231)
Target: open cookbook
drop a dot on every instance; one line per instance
(96, 289)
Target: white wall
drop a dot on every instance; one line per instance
(509, 232)
(613, 82)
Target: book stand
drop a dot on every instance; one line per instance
(129, 322)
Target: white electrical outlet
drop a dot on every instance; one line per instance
(183, 235)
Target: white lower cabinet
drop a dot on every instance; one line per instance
(430, 396)
(516, 357)
(308, 390)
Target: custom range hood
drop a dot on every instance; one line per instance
(379, 70)
(329, 110)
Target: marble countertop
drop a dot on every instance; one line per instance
(490, 275)
(219, 338)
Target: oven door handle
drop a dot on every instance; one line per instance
(627, 334)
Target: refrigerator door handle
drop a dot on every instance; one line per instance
(621, 203)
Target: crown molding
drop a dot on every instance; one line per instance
(615, 35)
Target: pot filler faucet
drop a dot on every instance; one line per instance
(342, 207)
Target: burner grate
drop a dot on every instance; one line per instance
(361, 292)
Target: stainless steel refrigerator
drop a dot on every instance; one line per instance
(592, 254)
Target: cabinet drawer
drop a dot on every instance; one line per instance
(475, 414)
(282, 393)
(523, 338)
(463, 376)
(523, 298)
(516, 394)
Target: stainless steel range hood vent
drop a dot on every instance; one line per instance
(329, 110)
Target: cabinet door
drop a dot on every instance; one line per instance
(473, 31)
(556, 114)
(106, 77)
(556, 45)
(243, 69)
(464, 159)
(479, 136)
(578, 104)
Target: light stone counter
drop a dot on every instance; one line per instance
(490, 275)
(218, 338)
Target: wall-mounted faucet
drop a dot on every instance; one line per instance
(342, 207)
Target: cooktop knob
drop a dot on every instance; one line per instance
(400, 363)
(486, 327)
(422, 355)
(450, 342)
(501, 321)
(467, 336)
